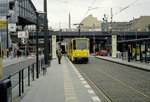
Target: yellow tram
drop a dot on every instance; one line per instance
(78, 49)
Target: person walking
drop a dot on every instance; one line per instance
(59, 56)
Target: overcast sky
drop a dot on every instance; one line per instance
(58, 10)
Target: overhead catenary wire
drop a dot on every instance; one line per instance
(89, 8)
(122, 9)
(70, 2)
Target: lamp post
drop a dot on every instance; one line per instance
(37, 46)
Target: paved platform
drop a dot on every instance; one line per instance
(61, 83)
(143, 66)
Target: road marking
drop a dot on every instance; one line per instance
(87, 86)
(80, 76)
(81, 79)
(90, 91)
(84, 82)
(95, 98)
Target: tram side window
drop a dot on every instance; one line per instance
(74, 44)
(71, 46)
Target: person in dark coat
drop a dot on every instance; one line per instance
(17, 53)
(59, 55)
(129, 55)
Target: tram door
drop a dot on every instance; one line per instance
(1, 71)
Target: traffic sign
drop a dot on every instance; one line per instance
(12, 27)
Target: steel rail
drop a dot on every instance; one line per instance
(94, 83)
(123, 83)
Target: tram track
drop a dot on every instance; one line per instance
(132, 76)
(123, 83)
(135, 92)
(94, 83)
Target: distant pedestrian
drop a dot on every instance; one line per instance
(14, 54)
(129, 55)
(27, 53)
(17, 53)
(11, 54)
(59, 55)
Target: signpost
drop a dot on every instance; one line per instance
(54, 46)
(24, 35)
(114, 46)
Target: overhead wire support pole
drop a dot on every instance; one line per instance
(37, 45)
(37, 52)
(7, 38)
(60, 35)
(46, 52)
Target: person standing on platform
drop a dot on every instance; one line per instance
(129, 55)
(59, 56)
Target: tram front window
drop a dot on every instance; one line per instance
(81, 44)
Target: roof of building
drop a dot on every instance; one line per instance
(91, 22)
(141, 24)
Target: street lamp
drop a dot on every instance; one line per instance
(37, 47)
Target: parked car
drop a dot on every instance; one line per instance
(102, 53)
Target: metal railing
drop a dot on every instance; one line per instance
(23, 78)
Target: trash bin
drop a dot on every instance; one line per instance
(6, 91)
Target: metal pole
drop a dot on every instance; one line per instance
(93, 40)
(7, 38)
(25, 50)
(59, 35)
(20, 83)
(79, 30)
(46, 53)
(37, 52)
(136, 46)
(28, 75)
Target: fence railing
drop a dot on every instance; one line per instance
(22, 78)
